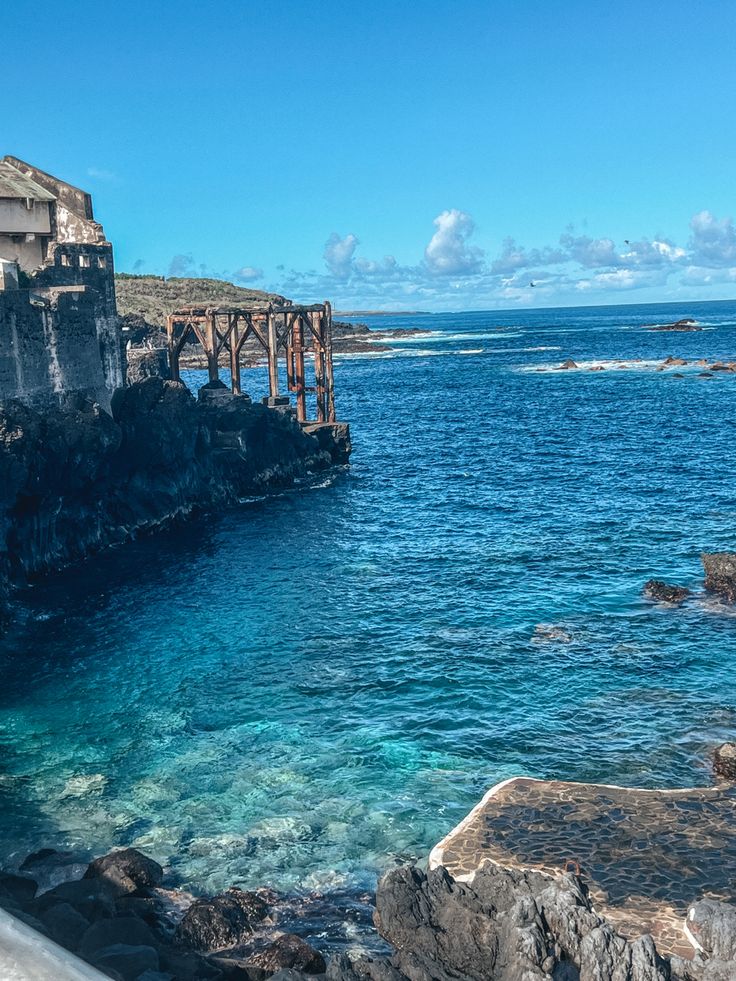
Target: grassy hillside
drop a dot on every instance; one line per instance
(153, 298)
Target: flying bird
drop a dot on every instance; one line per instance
(626, 242)
(532, 284)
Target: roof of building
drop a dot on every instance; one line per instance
(14, 184)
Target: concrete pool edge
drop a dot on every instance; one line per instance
(27, 955)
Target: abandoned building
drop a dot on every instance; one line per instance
(59, 329)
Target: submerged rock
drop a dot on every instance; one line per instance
(223, 921)
(289, 952)
(720, 573)
(664, 592)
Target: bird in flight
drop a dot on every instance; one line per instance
(626, 242)
(532, 284)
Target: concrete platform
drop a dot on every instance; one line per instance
(645, 855)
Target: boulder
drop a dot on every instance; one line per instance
(128, 930)
(289, 952)
(126, 871)
(506, 925)
(664, 592)
(720, 573)
(724, 762)
(147, 363)
(674, 361)
(93, 898)
(568, 364)
(128, 961)
(713, 926)
(65, 925)
(18, 888)
(223, 921)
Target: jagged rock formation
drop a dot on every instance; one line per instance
(720, 573)
(506, 925)
(76, 479)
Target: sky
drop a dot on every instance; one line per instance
(388, 155)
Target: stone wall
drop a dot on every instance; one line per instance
(56, 341)
(62, 335)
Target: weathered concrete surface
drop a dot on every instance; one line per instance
(75, 480)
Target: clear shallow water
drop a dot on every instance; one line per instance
(313, 686)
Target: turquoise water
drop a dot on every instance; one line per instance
(316, 685)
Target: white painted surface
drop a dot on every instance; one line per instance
(26, 955)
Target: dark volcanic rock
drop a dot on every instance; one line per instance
(289, 951)
(223, 921)
(117, 930)
(75, 480)
(128, 961)
(65, 925)
(568, 364)
(147, 363)
(17, 888)
(507, 925)
(720, 573)
(724, 762)
(127, 870)
(663, 592)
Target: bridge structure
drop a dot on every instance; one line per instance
(291, 332)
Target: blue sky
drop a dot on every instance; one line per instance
(437, 155)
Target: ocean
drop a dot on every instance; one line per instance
(318, 684)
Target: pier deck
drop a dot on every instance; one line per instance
(645, 855)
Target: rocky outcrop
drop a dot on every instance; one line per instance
(664, 592)
(720, 573)
(75, 480)
(724, 762)
(505, 925)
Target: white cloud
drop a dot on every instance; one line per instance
(248, 274)
(338, 255)
(99, 174)
(712, 241)
(448, 252)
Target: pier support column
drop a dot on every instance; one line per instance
(298, 345)
(273, 356)
(211, 338)
(234, 356)
(329, 378)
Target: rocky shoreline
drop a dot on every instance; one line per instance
(505, 925)
(76, 480)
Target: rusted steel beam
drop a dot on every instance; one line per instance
(329, 376)
(273, 355)
(210, 347)
(173, 350)
(234, 354)
(298, 345)
(316, 324)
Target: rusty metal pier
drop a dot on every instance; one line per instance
(289, 331)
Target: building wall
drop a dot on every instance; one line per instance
(28, 252)
(16, 217)
(52, 344)
(62, 334)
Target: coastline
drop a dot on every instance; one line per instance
(76, 480)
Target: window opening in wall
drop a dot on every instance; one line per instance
(84, 261)
(65, 260)
(101, 262)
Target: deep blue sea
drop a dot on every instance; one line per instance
(315, 685)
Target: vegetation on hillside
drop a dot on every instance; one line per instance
(153, 298)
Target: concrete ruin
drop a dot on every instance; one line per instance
(59, 330)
